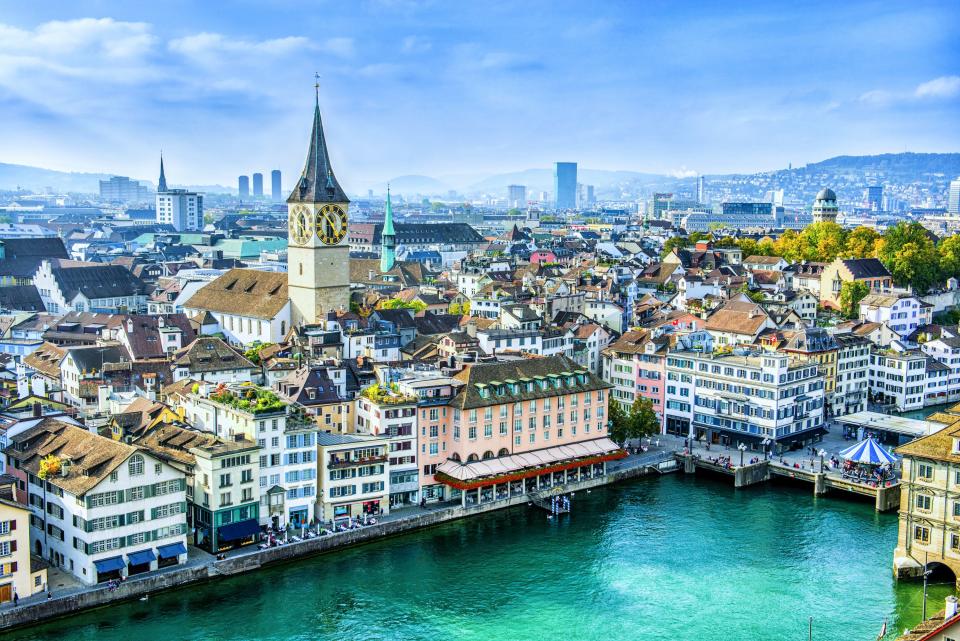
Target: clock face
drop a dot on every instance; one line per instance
(331, 224)
(301, 225)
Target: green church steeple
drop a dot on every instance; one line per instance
(388, 239)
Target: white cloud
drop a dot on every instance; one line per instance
(942, 87)
(216, 48)
(413, 44)
(683, 172)
(90, 36)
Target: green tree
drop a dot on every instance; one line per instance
(917, 265)
(676, 242)
(396, 303)
(749, 247)
(462, 309)
(699, 236)
(861, 243)
(716, 226)
(851, 293)
(619, 422)
(643, 418)
(949, 251)
(822, 241)
(253, 354)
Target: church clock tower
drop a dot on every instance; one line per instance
(318, 254)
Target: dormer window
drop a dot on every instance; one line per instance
(135, 465)
(956, 446)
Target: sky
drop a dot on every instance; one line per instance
(462, 90)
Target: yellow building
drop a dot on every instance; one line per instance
(19, 574)
(929, 531)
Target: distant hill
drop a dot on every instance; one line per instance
(907, 163)
(37, 178)
(413, 184)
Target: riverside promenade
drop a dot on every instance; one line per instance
(202, 567)
(749, 468)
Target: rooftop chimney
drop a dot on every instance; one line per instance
(37, 410)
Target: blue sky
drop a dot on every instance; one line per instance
(468, 89)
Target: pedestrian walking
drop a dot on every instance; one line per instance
(16, 599)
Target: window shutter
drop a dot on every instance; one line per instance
(13, 567)
(13, 525)
(13, 546)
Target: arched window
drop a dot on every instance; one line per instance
(503, 452)
(455, 457)
(135, 466)
(487, 455)
(472, 458)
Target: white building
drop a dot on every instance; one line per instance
(853, 381)
(750, 398)
(180, 208)
(898, 378)
(902, 313)
(354, 476)
(250, 306)
(111, 511)
(393, 416)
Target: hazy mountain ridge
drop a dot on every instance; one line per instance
(906, 165)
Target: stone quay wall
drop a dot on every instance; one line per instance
(254, 558)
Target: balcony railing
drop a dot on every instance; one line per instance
(339, 463)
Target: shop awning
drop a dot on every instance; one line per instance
(112, 564)
(536, 462)
(172, 550)
(141, 557)
(239, 530)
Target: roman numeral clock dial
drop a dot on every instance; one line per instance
(301, 225)
(331, 224)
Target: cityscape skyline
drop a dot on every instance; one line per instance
(501, 81)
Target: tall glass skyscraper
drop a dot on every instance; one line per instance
(565, 185)
(953, 198)
(275, 190)
(258, 185)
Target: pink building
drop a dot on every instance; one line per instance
(521, 426)
(636, 365)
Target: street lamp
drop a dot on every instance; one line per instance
(822, 453)
(766, 443)
(743, 448)
(926, 573)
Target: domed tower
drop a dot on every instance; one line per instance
(825, 206)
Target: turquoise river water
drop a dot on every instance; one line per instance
(658, 558)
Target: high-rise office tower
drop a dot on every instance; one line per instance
(275, 188)
(701, 191)
(258, 185)
(661, 203)
(591, 199)
(875, 197)
(953, 198)
(565, 185)
(244, 187)
(516, 195)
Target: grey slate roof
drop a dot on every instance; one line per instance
(866, 268)
(97, 281)
(317, 183)
(22, 256)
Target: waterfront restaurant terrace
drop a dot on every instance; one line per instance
(528, 472)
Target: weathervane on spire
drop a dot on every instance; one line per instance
(316, 84)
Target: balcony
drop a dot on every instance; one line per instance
(337, 463)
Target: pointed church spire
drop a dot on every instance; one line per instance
(317, 183)
(162, 183)
(388, 239)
